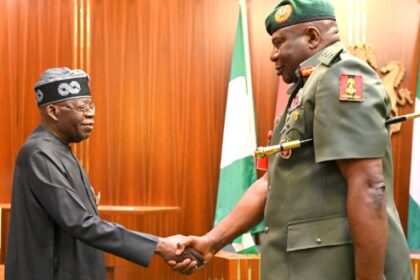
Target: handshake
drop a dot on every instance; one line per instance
(185, 254)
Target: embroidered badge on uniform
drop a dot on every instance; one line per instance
(283, 13)
(297, 101)
(306, 71)
(351, 88)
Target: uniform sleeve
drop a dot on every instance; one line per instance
(52, 190)
(349, 129)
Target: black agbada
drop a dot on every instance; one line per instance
(55, 231)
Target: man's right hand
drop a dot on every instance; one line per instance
(202, 244)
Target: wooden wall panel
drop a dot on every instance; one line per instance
(394, 33)
(264, 77)
(159, 72)
(35, 35)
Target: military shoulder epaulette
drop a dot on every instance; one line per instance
(330, 55)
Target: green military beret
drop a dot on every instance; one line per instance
(290, 12)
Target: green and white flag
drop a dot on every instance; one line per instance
(237, 168)
(414, 200)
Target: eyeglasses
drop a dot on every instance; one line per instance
(86, 109)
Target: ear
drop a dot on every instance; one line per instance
(52, 112)
(313, 36)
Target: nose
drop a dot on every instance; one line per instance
(89, 112)
(274, 54)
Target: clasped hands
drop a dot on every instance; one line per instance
(185, 254)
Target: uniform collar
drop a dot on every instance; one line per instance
(325, 56)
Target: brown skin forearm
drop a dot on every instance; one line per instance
(248, 212)
(367, 215)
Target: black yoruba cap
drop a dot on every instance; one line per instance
(59, 84)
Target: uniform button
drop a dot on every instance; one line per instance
(266, 229)
(318, 240)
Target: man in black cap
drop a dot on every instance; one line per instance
(55, 229)
(328, 207)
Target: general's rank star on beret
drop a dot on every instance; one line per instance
(290, 12)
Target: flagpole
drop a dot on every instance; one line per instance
(242, 4)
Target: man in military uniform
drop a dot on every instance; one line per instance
(328, 207)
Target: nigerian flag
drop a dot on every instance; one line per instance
(237, 169)
(414, 200)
